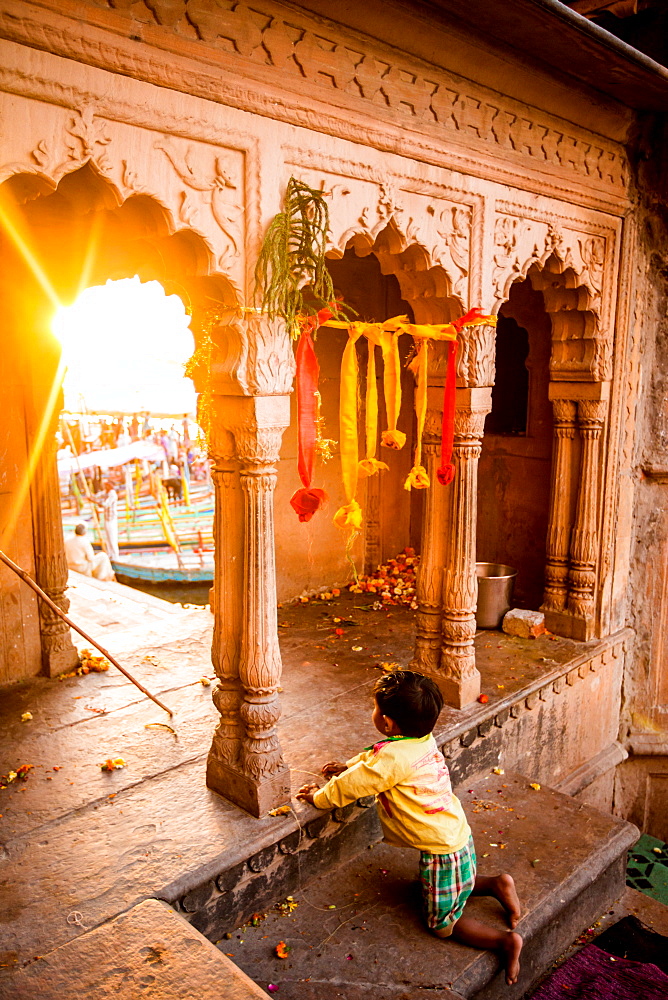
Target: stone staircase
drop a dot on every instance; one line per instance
(355, 933)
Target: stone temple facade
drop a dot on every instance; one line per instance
(509, 160)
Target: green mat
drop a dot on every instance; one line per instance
(647, 868)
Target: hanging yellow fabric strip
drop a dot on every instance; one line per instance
(418, 478)
(350, 514)
(370, 465)
(389, 343)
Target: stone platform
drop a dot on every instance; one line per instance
(148, 951)
(74, 839)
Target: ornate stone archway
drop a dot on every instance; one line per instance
(569, 268)
(174, 212)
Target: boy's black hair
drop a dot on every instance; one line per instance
(410, 699)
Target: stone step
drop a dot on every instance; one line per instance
(148, 951)
(356, 928)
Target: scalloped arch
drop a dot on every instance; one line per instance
(81, 230)
(423, 283)
(580, 348)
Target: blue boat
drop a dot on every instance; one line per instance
(164, 566)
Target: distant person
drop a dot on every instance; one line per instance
(109, 507)
(185, 424)
(82, 559)
(134, 427)
(417, 808)
(173, 483)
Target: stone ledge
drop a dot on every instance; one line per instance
(583, 776)
(147, 951)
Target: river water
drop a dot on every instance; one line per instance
(177, 593)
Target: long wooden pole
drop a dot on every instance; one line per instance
(61, 614)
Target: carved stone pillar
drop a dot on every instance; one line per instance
(559, 525)
(459, 678)
(429, 587)
(227, 607)
(58, 651)
(584, 537)
(573, 614)
(246, 762)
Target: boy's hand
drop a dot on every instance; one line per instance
(306, 792)
(333, 768)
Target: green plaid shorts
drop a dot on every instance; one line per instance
(447, 881)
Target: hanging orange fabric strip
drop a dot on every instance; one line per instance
(389, 343)
(348, 443)
(370, 465)
(418, 478)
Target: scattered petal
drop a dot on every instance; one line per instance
(112, 764)
(205, 682)
(534, 863)
(280, 811)
(26, 717)
(498, 770)
(535, 786)
(356, 649)
(272, 987)
(282, 950)
(483, 699)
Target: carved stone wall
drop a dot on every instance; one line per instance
(193, 115)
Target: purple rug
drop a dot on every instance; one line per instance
(593, 974)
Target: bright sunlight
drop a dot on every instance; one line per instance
(124, 347)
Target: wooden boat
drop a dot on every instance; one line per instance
(142, 527)
(152, 565)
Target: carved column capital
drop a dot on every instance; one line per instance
(476, 357)
(258, 448)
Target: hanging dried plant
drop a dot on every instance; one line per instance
(293, 256)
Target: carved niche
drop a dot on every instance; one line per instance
(574, 269)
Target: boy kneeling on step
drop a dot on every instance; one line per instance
(417, 808)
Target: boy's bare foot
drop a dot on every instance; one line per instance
(506, 893)
(512, 946)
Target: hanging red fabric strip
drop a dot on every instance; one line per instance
(306, 501)
(470, 317)
(308, 371)
(446, 472)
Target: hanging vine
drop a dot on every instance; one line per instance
(293, 255)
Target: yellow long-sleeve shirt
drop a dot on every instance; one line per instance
(414, 797)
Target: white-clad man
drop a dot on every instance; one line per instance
(82, 559)
(109, 508)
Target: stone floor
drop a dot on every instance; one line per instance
(79, 845)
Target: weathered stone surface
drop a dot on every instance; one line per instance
(150, 950)
(107, 841)
(525, 624)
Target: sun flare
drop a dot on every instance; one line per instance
(124, 347)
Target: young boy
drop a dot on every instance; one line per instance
(408, 775)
